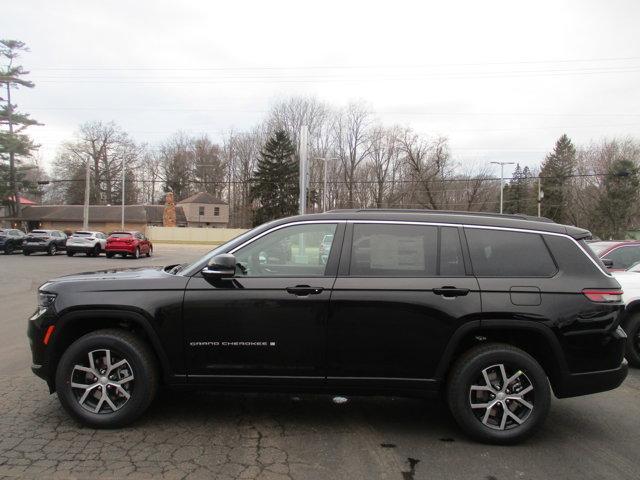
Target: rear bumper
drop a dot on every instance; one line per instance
(577, 384)
(35, 248)
(80, 248)
(121, 249)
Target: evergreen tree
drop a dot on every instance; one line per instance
(15, 145)
(556, 169)
(275, 183)
(618, 201)
(517, 195)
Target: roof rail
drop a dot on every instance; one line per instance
(518, 216)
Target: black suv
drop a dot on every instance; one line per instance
(11, 240)
(49, 241)
(492, 311)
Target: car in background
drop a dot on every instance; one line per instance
(11, 240)
(617, 255)
(128, 243)
(48, 241)
(325, 248)
(629, 280)
(89, 243)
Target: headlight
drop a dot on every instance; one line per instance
(45, 299)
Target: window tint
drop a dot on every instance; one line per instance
(451, 259)
(624, 257)
(497, 253)
(291, 251)
(394, 250)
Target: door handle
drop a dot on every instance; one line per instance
(449, 291)
(304, 290)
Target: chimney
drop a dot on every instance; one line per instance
(169, 214)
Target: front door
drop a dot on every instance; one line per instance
(267, 324)
(401, 292)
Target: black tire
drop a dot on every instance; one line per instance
(52, 250)
(96, 250)
(632, 349)
(70, 254)
(26, 253)
(136, 253)
(149, 252)
(468, 369)
(109, 255)
(8, 250)
(142, 388)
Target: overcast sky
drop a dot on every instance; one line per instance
(502, 79)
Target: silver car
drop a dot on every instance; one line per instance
(89, 243)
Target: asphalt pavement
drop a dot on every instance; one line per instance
(245, 436)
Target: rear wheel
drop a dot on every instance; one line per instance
(96, 251)
(109, 255)
(107, 378)
(26, 253)
(70, 254)
(8, 249)
(498, 393)
(52, 250)
(136, 253)
(632, 349)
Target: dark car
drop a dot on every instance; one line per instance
(11, 240)
(49, 241)
(494, 312)
(617, 255)
(128, 243)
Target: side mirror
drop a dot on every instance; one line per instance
(607, 263)
(220, 266)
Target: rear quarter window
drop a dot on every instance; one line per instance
(499, 253)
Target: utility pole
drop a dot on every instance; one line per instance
(122, 220)
(12, 162)
(540, 196)
(325, 193)
(304, 177)
(502, 164)
(85, 210)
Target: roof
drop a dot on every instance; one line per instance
(100, 213)
(23, 200)
(462, 218)
(203, 197)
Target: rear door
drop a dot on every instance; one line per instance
(401, 292)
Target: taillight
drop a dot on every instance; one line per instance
(603, 296)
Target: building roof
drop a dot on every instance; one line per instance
(100, 213)
(203, 197)
(23, 200)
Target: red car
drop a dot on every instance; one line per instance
(617, 255)
(128, 243)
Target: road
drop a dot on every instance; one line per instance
(245, 436)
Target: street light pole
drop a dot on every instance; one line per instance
(325, 195)
(85, 210)
(502, 164)
(122, 219)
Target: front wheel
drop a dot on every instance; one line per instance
(8, 250)
(498, 393)
(107, 378)
(149, 252)
(52, 250)
(109, 254)
(26, 253)
(70, 253)
(632, 349)
(136, 253)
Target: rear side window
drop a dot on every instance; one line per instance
(498, 253)
(394, 250)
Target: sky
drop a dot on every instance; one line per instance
(501, 79)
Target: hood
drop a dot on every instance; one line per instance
(113, 274)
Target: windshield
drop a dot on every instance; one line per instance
(82, 234)
(199, 264)
(599, 247)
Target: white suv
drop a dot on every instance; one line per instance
(629, 280)
(90, 243)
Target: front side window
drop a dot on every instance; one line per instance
(499, 253)
(297, 250)
(380, 250)
(624, 257)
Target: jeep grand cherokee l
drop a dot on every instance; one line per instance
(492, 311)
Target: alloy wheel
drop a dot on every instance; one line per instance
(104, 383)
(501, 400)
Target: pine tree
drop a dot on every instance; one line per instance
(556, 169)
(14, 143)
(618, 202)
(275, 183)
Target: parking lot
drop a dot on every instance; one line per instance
(245, 436)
